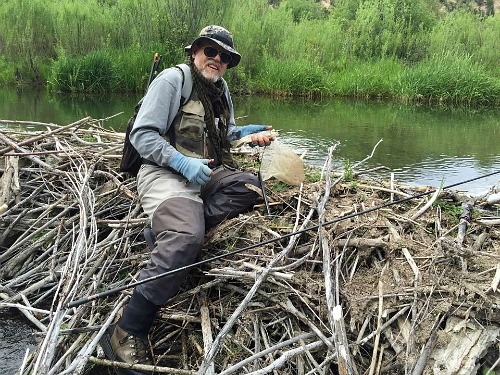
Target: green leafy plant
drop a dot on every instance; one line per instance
(348, 175)
(450, 209)
(313, 174)
(407, 50)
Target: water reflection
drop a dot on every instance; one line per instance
(422, 145)
(36, 105)
(15, 338)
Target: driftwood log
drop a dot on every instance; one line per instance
(395, 290)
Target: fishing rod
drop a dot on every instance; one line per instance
(113, 291)
(154, 68)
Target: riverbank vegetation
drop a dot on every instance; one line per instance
(422, 50)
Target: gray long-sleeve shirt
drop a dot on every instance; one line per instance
(158, 110)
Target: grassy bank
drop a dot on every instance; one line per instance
(406, 50)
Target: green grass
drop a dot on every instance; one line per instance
(92, 73)
(450, 210)
(312, 174)
(450, 79)
(296, 78)
(348, 175)
(415, 52)
(367, 79)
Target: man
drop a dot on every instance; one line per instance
(179, 144)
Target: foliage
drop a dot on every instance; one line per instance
(261, 31)
(465, 34)
(363, 79)
(7, 73)
(312, 174)
(454, 211)
(303, 10)
(91, 73)
(359, 48)
(278, 186)
(488, 371)
(348, 175)
(298, 77)
(450, 79)
(385, 28)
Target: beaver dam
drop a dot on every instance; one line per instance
(390, 279)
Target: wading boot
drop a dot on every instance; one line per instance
(120, 346)
(127, 339)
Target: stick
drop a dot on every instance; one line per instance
(345, 362)
(428, 204)
(146, 368)
(272, 349)
(464, 221)
(379, 324)
(392, 186)
(43, 135)
(286, 357)
(208, 358)
(30, 157)
(426, 352)
(206, 330)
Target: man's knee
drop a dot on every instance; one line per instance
(181, 216)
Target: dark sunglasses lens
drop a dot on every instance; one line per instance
(212, 52)
(225, 57)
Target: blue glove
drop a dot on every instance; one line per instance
(195, 170)
(250, 129)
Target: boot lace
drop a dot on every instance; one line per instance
(140, 352)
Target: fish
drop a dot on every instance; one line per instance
(248, 138)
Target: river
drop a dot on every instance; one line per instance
(421, 145)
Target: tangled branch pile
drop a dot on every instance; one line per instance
(366, 291)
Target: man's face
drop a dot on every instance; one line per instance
(212, 68)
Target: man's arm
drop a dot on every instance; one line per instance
(237, 132)
(158, 110)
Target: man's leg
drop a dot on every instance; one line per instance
(179, 226)
(179, 242)
(180, 229)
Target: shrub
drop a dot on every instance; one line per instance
(295, 78)
(88, 74)
(450, 79)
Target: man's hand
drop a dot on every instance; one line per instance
(195, 170)
(250, 129)
(257, 139)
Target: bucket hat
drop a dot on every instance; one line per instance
(222, 37)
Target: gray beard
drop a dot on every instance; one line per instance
(209, 78)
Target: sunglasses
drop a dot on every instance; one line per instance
(211, 52)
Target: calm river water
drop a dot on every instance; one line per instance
(421, 145)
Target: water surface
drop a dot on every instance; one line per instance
(422, 145)
(15, 337)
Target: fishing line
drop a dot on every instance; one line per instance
(109, 292)
(261, 182)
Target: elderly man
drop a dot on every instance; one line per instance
(180, 144)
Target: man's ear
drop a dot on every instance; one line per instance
(194, 49)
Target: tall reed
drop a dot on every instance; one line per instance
(450, 79)
(91, 74)
(292, 47)
(361, 79)
(297, 77)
